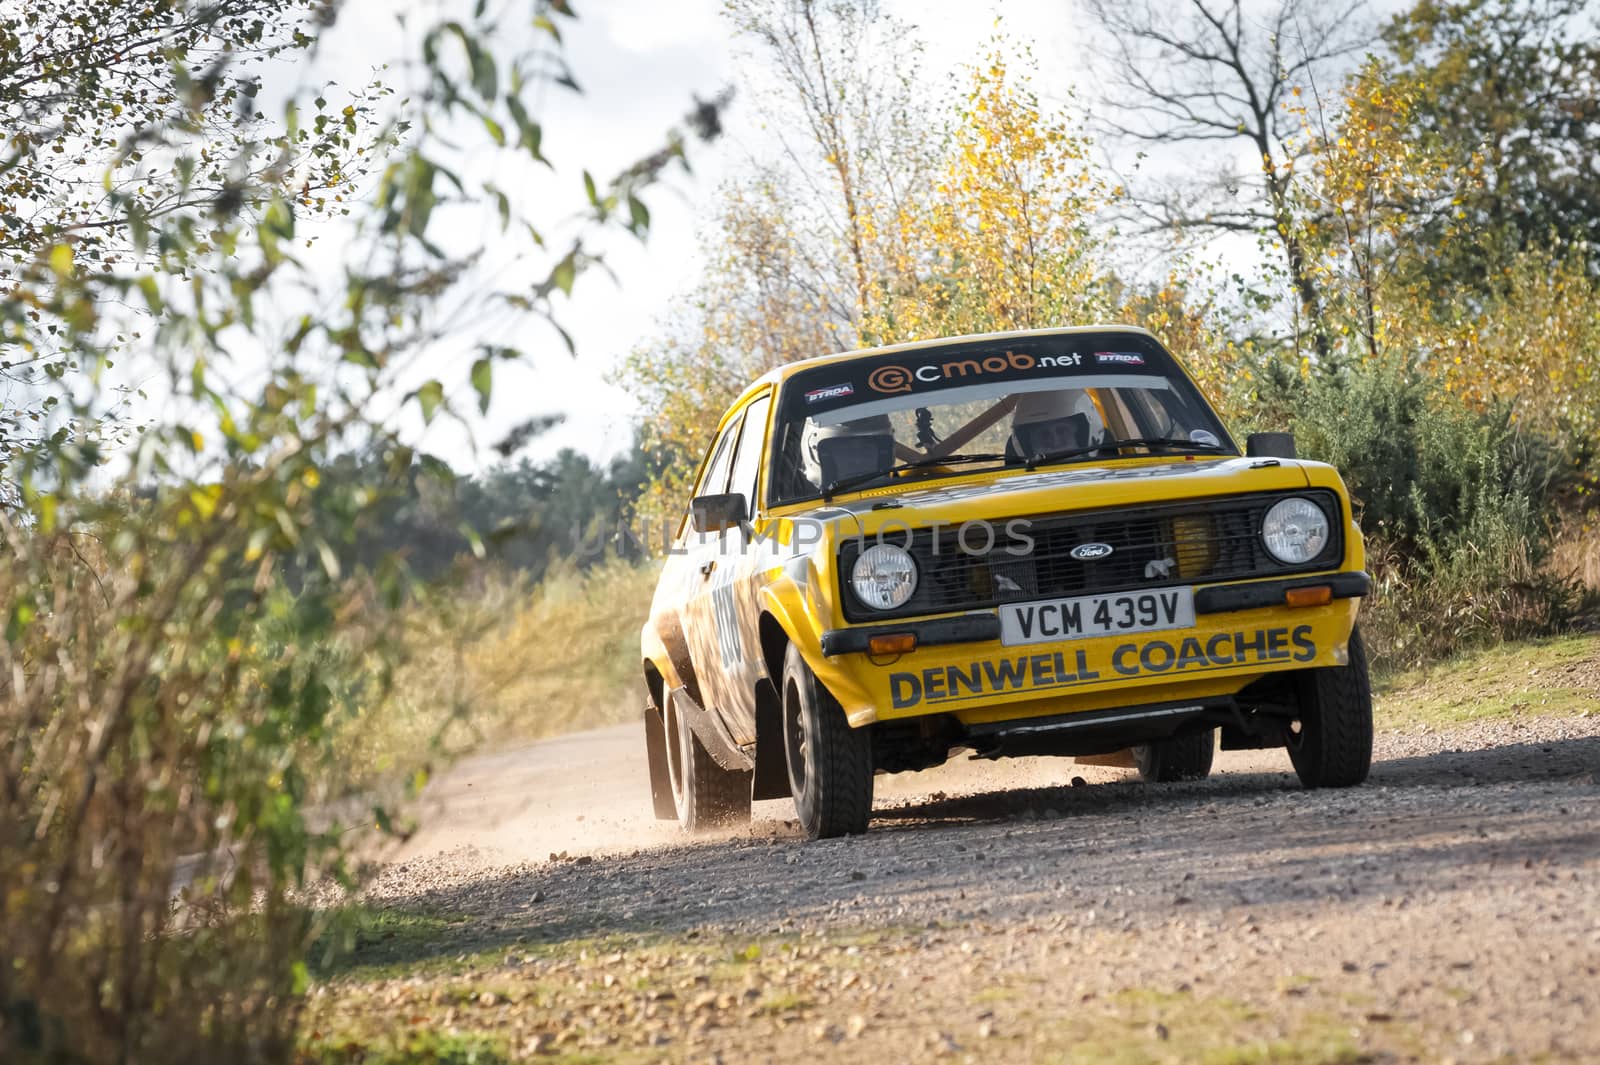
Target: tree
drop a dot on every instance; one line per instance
(1208, 73)
(1012, 234)
(1510, 100)
(796, 252)
(1003, 239)
(519, 516)
(841, 103)
(106, 135)
(1384, 210)
(1003, 228)
(1368, 183)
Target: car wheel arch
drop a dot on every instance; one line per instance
(774, 641)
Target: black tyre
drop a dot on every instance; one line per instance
(830, 763)
(706, 795)
(1330, 743)
(1186, 757)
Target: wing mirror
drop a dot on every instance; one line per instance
(718, 512)
(1270, 446)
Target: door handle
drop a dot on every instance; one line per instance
(707, 567)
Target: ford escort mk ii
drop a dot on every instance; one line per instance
(1041, 542)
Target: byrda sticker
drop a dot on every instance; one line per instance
(976, 681)
(838, 391)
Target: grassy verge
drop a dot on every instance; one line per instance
(569, 658)
(1559, 676)
(505, 662)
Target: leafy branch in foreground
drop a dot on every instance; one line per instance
(181, 641)
(136, 147)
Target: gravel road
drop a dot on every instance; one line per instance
(1448, 910)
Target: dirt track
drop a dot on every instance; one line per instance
(1449, 910)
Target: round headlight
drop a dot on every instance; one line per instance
(884, 576)
(1295, 530)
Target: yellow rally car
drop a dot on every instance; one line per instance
(1039, 542)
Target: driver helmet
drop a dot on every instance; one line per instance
(831, 452)
(1046, 422)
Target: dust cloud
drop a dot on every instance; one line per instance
(589, 794)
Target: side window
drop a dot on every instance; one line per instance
(747, 460)
(787, 478)
(715, 478)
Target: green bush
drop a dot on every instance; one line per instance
(166, 713)
(1458, 505)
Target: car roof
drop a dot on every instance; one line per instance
(780, 373)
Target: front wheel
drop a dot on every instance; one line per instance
(705, 795)
(830, 763)
(1186, 757)
(1330, 743)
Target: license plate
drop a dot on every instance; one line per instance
(1049, 620)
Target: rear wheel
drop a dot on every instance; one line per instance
(706, 795)
(1186, 757)
(830, 763)
(1330, 743)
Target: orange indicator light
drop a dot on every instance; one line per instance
(1320, 595)
(898, 643)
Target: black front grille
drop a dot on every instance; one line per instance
(1189, 543)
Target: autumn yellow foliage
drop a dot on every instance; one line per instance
(1529, 338)
(1366, 179)
(1535, 344)
(1005, 238)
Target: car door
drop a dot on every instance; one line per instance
(730, 588)
(680, 626)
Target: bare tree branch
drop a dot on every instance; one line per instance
(1211, 72)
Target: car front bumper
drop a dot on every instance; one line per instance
(959, 667)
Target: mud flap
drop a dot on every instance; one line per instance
(655, 747)
(772, 767)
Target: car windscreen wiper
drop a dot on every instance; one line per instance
(840, 484)
(1169, 443)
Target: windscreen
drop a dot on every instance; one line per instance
(950, 411)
